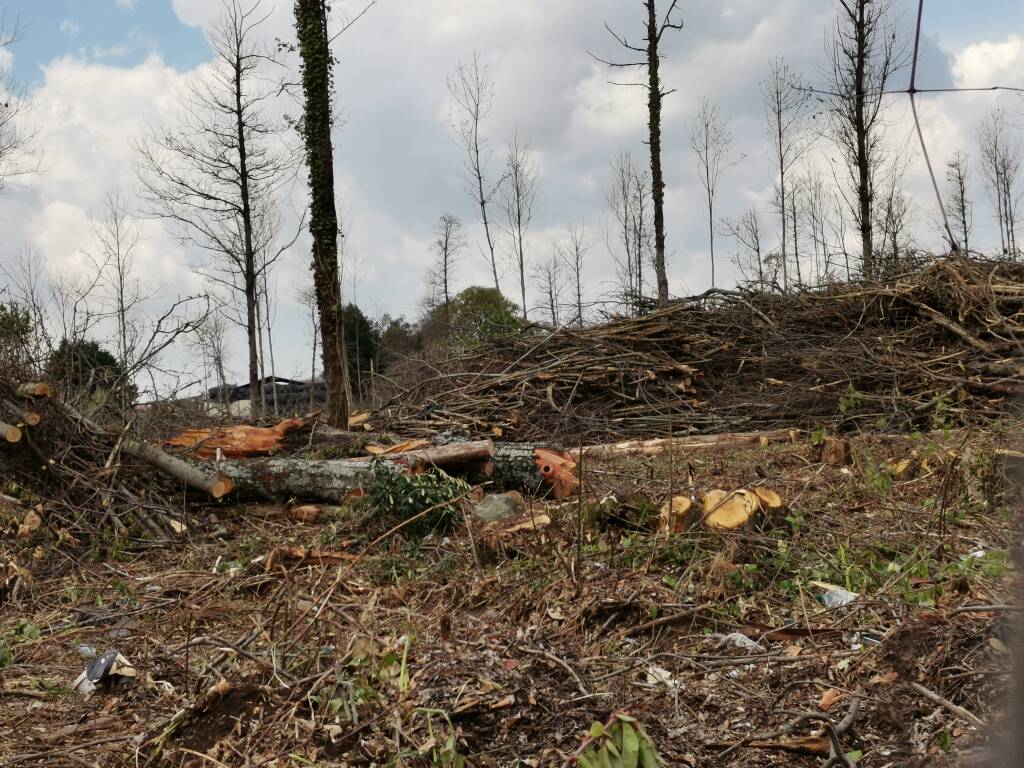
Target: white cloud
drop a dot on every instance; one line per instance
(991, 63)
(70, 28)
(128, 5)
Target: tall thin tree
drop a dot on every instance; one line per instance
(519, 195)
(655, 27)
(863, 56)
(473, 92)
(711, 141)
(311, 18)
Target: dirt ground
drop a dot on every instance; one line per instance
(500, 646)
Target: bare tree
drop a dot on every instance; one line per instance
(448, 244)
(522, 181)
(16, 155)
(211, 339)
(787, 106)
(629, 223)
(749, 259)
(863, 56)
(655, 28)
(1001, 160)
(473, 92)
(961, 209)
(549, 275)
(573, 251)
(894, 219)
(213, 179)
(711, 141)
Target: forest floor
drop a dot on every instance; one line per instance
(385, 650)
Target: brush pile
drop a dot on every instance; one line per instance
(935, 347)
(60, 470)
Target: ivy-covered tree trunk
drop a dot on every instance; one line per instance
(654, 96)
(314, 48)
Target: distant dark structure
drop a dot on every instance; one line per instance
(293, 397)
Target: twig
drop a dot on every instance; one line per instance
(664, 621)
(948, 705)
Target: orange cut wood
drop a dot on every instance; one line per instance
(240, 441)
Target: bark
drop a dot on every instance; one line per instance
(32, 390)
(654, 130)
(314, 47)
(335, 481)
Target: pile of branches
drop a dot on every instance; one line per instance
(934, 347)
(76, 477)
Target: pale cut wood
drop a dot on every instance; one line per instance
(30, 390)
(690, 443)
(730, 511)
(28, 418)
(676, 514)
(10, 432)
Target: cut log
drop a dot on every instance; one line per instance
(724, 511)
(676, 515)
(769, 499)
(9, 432)
(336, 481)
(33, 390)
(331, 481)
(836, 452)
(216, 485)
(26, 418)
(685, 444)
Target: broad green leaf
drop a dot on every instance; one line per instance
(630, 747)
(596, 730)
(855, 756)
(648, 757)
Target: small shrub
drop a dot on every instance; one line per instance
(403, 497)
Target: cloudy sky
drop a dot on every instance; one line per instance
(99, 70)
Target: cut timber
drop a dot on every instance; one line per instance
(33, 390)
(836, 451)
(730, 511)
(675, 515)
(332, 481)
(10, 433)
(691, 443)
(769, 499)
(26, 418)
(239, 441)
(216, 485)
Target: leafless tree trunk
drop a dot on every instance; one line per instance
(473, 92)
(573, 252)
(211, 339)
(550, 277)
(448, 244)
(711, 141)
(788, 107)
(655, 28)
(863, 56)
(518, 198)
(893, 223)
(961, 210)
(1001, 159)
(214, 178)
(748, 258)
(629, 209)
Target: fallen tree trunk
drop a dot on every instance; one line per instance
(33, 390)
(684, 444)
(216, 485)
(336, 480)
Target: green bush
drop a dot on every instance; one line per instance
(402, 497)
